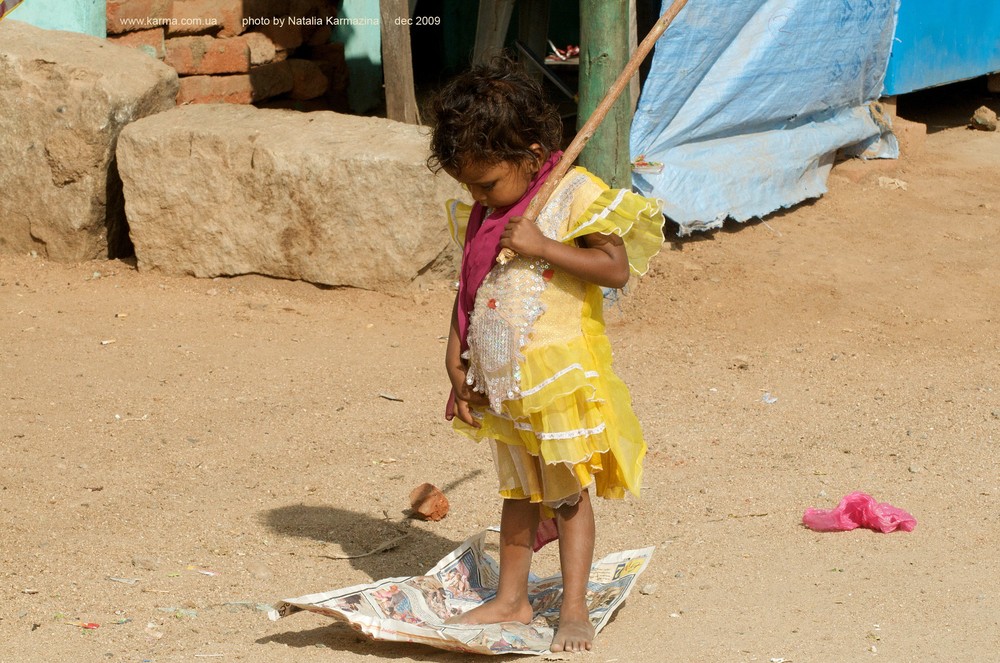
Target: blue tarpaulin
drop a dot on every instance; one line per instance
(747, 103)
(942, 42)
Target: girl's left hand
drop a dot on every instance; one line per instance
(524, 237)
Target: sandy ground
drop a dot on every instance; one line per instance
(154, 427)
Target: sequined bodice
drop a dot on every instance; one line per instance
(508, 304)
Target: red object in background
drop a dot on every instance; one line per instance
(859, 510)
(6, 6)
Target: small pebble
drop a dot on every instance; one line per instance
(258, 570)
(648, 589)
(147, 563)
(916, 469)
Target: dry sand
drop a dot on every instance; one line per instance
(154, 427)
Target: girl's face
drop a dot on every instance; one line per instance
(497, 185)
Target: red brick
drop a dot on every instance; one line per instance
(261, 48)
(215, 90)
(131, 15)
(194, 17)
(330, 58)
(428, 502)
(308, 81)
(285, 36)
(149, 41)
(270, 80)
(208, 55)
(320, 36)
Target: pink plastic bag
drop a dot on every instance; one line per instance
(859, 510)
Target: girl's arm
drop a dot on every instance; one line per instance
(456, 368)
(600, 260)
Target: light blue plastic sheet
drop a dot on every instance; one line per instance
(747, 103)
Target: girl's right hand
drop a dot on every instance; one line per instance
(463, 410)
(467, 398)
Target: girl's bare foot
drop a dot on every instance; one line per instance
(575, 632)
(495, 612)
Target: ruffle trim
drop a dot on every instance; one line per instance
(636, 219)
(573, 410)
(458, 214)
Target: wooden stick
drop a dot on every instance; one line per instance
(595, 119)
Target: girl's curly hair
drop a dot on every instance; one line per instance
(494, 112)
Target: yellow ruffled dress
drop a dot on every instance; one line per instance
(560, 420)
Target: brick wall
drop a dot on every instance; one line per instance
(273, 53)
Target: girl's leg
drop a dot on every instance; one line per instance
(576, 554)
(517, 536)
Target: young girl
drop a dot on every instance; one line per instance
(529, 364)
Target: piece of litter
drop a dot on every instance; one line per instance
(640, 165)
(768, 398)
(29, 591)
(180, 613)
(108, 341)
(778, 660)
(859, 510)
(891, 183)
(413, 609)
(86, 625)
(209, 655)
(124, 581)
(382, 547)
(204, 572)
(390, 397)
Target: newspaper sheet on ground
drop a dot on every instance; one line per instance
(414, 609)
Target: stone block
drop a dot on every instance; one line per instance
(237, 89)
(215, 190)
(984, 119)
(64, 99)
(208, 55)
(149, 42)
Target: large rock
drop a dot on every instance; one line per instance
(64, 98)
(214, 190)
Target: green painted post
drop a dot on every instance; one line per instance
(604, 51)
